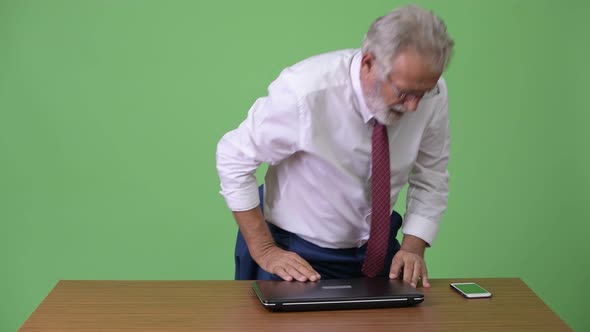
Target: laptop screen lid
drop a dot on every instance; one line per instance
(328, 294)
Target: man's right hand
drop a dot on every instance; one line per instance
(286, 264)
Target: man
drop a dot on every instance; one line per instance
(342, 133)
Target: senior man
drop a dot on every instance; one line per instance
(342, 133)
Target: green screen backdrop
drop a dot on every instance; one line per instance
(110, 112)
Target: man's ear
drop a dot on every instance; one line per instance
(368, 61)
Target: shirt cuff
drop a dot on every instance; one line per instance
(243, 199)
(421, 227)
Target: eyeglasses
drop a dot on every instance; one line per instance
(410, 96)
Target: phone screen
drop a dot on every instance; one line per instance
(471, 289)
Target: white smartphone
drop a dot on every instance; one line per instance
(470, 290)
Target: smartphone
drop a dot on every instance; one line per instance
(470, 290)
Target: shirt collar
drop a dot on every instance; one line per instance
(355, 77)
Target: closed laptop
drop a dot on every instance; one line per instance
(332, 294)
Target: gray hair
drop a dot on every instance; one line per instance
(409, 27)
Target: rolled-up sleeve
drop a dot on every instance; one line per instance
(428, 182)
(269, 134)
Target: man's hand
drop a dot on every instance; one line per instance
(409, 260)
(286, 264)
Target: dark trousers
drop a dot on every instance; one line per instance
(329, 263)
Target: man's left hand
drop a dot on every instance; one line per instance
(408, 263)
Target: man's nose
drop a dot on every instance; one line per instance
(412, 104)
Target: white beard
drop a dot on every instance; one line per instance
(384, 114)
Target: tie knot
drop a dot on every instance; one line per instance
(379, 132)
(377, 124)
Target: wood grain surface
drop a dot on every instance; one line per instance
(232, 306)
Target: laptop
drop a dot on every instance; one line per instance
(331, 294)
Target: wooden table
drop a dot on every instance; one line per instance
(232, 306)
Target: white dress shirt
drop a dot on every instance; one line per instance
(314, 130)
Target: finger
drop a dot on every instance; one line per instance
(305, 268)
(425, 282)
(309, 272)
(292, 271)
(281, 272)
(396, 267)
(417, 272)
(408, 270)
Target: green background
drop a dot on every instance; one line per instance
(110, 112)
